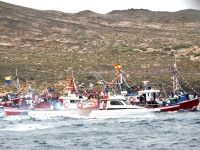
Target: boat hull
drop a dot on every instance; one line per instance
(190, 104)
(170, 108)
(120, 113)
(185, 105)
(15, 112)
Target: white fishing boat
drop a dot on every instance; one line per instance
(70, 106)
(116, 107)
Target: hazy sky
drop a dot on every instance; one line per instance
(104, 6)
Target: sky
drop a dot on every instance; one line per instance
(104, 6)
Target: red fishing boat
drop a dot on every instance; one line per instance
(180, 100)
(148, 97)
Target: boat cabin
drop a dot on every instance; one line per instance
(146, 95)
(115, 102)
(72, 101)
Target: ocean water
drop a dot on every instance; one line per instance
(152, 131)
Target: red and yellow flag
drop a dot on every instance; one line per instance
(118, 67)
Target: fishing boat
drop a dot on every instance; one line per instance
(117, 106)
(180, 100)
(18, 105)
(67, 105)
(11, 99)
(149, 97)
(21, 108)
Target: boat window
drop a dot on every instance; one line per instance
(66, 94)
(115, 103)
(74, 101)
(126, 102)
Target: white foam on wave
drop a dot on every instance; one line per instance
(42, 117)
(15, 118)
(25, 127)
(1, 115)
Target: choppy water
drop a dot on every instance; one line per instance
(152, 131)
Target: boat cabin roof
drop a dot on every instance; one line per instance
(117, 101)
(148, 91)
(116, 97)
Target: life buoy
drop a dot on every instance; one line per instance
(131, 99)
(92, 104)
(80, 105)
(3, 103)
(66, 105)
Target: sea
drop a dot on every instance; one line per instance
(152, 131)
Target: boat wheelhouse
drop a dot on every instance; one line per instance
(145, 96)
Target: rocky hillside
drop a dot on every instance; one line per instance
(43, 45)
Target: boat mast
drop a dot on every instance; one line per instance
(17, 81)
(74, 84)
(118, 69)
(119, 73)
(175, 82)
(164, 90)
(120, 78)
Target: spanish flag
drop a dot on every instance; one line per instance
(118, 67)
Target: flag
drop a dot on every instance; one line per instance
(8, 80)
(118, 67)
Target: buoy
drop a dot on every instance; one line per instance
(80, 105)
(131, 99)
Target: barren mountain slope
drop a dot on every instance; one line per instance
(44, 44)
